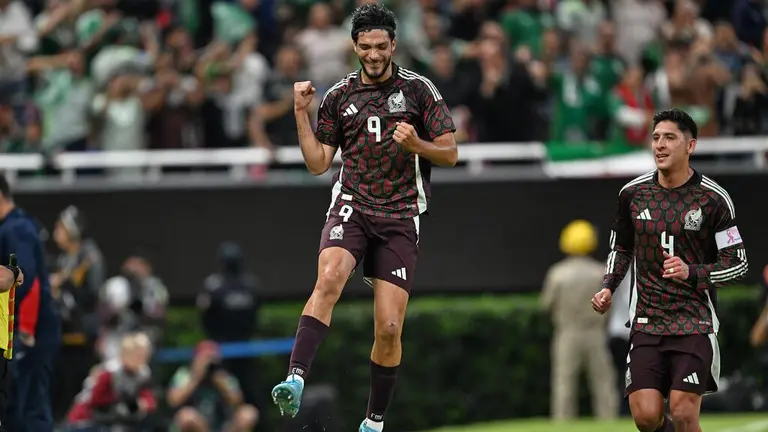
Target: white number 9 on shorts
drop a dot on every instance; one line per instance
(346, 212)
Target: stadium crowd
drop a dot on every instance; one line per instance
(84, 75)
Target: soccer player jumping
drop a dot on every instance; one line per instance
(677, 230)
(391, 125)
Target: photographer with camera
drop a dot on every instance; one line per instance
(118, 395)
(207, 397)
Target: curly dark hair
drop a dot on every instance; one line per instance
(373, 17)
(679, 117)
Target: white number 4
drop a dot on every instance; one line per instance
(345, 212)
(374, 127)
(668, 243)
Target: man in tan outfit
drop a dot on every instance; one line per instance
(580, 339)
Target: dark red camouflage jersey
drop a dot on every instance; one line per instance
(696, 222)
(381, 178)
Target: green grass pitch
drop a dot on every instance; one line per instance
(709, 423)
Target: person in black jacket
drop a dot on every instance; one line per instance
(229, 305)
(75, 285)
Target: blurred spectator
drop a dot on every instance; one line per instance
(750, 112)
(134, 301)
(17, 39)
(686, 25)
(12, 134)
(229, 305)
(273, 123)
(580, 339)
(632, 109)
(502, 79)
(524, 24)
(581, 18)
(731, 52)
(749, 21)
(638, 23)
(65, 98)
(207, 398)
(327, 61)
(577, 100)
(75, 285)
(118, 393)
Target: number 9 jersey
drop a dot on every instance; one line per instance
(696, 222)
(378, 177)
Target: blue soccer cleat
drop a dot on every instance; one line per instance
(287, 396)
(365, 428)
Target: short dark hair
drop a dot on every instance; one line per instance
(373, 17)
(679, 117)
(5, 188)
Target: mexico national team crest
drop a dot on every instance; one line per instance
(693, 220)
(337, 233)
(396, 102)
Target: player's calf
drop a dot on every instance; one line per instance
(684, 408)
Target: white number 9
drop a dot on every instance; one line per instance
(345, 212)
(374, 127)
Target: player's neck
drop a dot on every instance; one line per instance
(670, 179)
(371, 81)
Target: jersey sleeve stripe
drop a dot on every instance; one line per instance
(611, 256)
(405, 73)
(733, 272)
(708, 182)
(344, 81)
(637, 180)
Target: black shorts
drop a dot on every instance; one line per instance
(387, 247)
(686, 363)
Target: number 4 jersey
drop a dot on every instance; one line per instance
(696, 222)
(378, 177)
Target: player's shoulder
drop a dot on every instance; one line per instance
(718, 194)
(339, 88)
(636, 184)
(418, 84)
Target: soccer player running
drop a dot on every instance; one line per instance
(391, 125)
(677, 229)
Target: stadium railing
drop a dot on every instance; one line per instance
(474, 155)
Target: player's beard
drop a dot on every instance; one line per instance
(374, 75)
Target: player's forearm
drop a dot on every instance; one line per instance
(441, 154)
(616, 268)
(311, 148)
(731, 266)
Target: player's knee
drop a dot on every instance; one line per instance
(331, 281)
(246, 418)
(684, 411)
(189, 420)
(647, 418)
(388, 332)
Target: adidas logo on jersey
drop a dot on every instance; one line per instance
(351, 110)
(644, 215)
(691, 379)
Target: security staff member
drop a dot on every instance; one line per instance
(10, 278)
(37, 330)
(75, 286)
(229, 305)
(580, 339)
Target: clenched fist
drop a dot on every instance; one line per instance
(302, 94)
(601, 301)
(406, 136)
